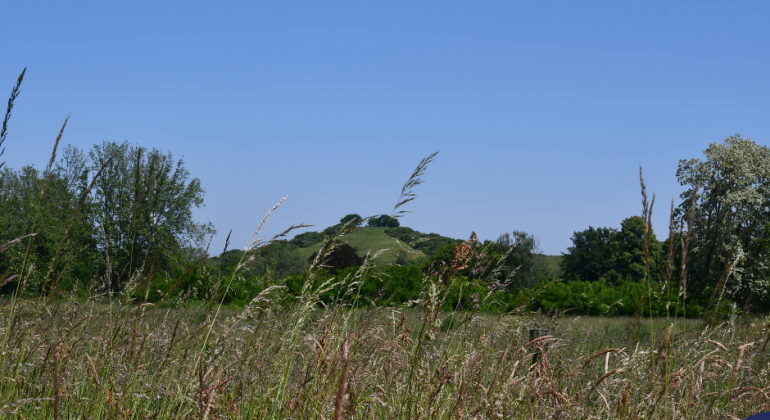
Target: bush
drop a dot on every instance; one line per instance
(342, 256)
(598, 298)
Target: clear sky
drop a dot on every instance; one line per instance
(542, 111)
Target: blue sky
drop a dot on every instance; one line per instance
(542, 111)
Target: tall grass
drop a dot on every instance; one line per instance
(117, 360)
(114, 356)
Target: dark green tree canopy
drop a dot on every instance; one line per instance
(514, 259)
(341, 256)
(306, 239)
(383, 221)
(22, 211)
(354, 217)
(590, 255)
(610, 254)
(429, 243)
(524, 264)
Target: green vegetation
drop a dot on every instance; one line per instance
(553, 264)
(118, 211)
(427, 243)
(612, 255)
(115, 310)
(383, 221)
(340, 256)
(728, 193)
(370, 240)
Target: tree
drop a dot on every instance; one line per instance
(138, 213)
(143, 202)
(590, 255)
(612, 255)
(383, 221)
(341, 256)
(628, 253)
(428, 243)
(306, 239)
(730, 216)
(525, 263)
(48, 205)
(354, 217)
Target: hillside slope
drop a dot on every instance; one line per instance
(370, 240)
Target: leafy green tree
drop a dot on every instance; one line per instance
(514, 259)
(442, 257)
(524, 264)
(628, 253)
(383, 221)
(590, 256)
(342, 256)
(138, 212)
(354, 217)
(143, 202)
(612, 255)
(731, 211)
(280, 259)
(394, 285)
(306, 239)
(50, 206)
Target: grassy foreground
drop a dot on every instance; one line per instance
(122, 361)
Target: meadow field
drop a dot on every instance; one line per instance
(110, 358)
(138, 328)
(322, 349)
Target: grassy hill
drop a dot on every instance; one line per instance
(370, 239)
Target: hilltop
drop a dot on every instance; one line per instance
(370, 240)
(401, 245)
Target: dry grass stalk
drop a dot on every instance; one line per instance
(14, 94)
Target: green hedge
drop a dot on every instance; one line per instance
(598, 298)
(397, 285)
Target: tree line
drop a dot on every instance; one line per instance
(119, 209)
(120, 212)
(107, 214)
(718, 246)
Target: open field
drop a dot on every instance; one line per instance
(102, 360)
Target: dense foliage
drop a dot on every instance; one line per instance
(612, 255)
(729, 193)
(353, 218)
(383, 221)
(428, 243)
(341, 256)
(136, 215)
(120, 213)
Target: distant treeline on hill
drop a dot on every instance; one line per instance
(120, 215)
(603, 272)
